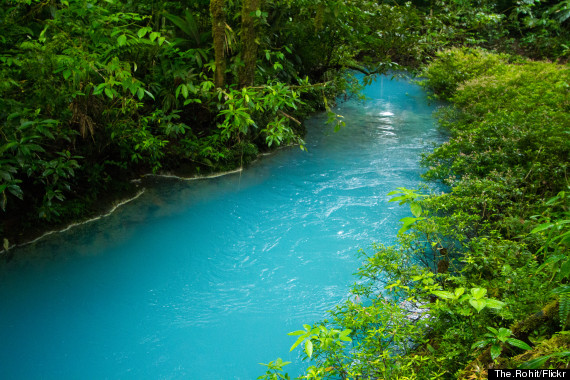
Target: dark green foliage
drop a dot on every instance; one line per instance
(133, 82)
(516, 131)
(508, 155)
(475, 266)
(94, 92)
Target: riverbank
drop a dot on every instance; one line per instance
(243, 257)
(107, 204)
(95, 189)
(22, 233)
(487, 262)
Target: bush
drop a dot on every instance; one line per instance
(453, 67)
(475, 264)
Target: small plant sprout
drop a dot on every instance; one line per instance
(323, 336)
(498, 339)
(408, 196)
(274, 369)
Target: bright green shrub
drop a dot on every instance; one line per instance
(489, 253)
(514, 122)
(455, 66)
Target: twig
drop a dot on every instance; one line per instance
(290, 117)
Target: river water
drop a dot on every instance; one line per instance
(203, 279)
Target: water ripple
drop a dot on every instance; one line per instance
(197, 273)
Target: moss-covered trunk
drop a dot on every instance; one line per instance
(219, 36)
(248, 42)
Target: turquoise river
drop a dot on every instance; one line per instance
(203, 279)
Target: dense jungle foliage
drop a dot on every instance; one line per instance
(480, 276)
(95, 93)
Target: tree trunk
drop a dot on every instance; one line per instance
(248, 43)
(219, 35)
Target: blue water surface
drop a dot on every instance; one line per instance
(203, 279)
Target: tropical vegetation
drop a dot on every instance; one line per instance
(95, 94)
(479, 278)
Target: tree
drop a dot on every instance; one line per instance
(218, 35)
(248, 41)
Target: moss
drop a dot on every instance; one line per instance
(556, 344)
(546, 316)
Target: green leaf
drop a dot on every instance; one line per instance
(518, 343)
(444, 294)
(140, 93)
(416, 209)
(539, 362)
(142, 32)
(149, 94)
(559, 290)
(407, 223)
(396, 199)
(503, 334)
(535, 363)
(541, 227)
(297, 342)
(122, 39)
(344, 335)
(109, 92)
(480, 344)
(258, 13)
(10, 145)
(282, 363)
(478, 304)
(552, 260)
(565, 269)
(99, 89)
(153, 36)
(66, 74)
(478, 293)
(309, 348)
(494, 304)
(495, 351)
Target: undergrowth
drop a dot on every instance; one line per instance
(479, 278)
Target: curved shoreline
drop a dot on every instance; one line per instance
(220, 174)
(5, 250)
(70, 226)
(174, 176)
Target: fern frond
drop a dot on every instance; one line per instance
(564, 308)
